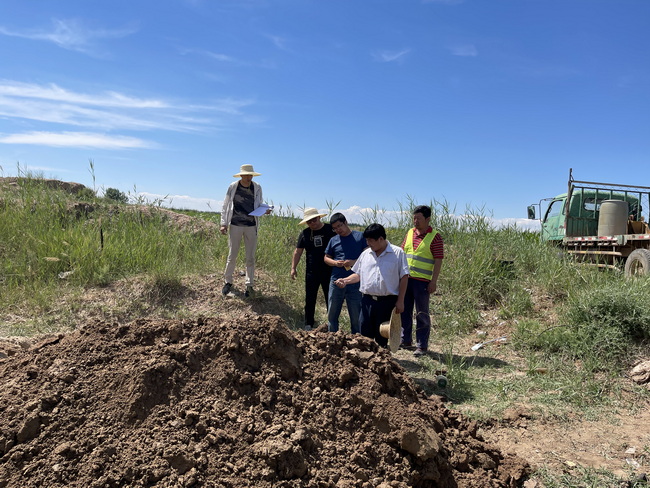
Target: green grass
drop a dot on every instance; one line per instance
(581, 477)
(572, 330)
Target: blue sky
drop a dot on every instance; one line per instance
(480, 103)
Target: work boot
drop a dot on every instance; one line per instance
(419, 352)
(226, 289)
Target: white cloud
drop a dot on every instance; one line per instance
(114, 111)
(389, 56)
(355, 214)
(521, 224)
(464, 50)
(184, 202)
(279, 42)
(222, 57)
(52, 92)
(70, 34)
(22, 169)
(76, 139)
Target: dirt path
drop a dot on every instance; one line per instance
(618, 444)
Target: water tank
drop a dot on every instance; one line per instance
(613, 218)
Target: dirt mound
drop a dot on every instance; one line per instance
(177, 220)
(70, 187)
(229, 403)
(186, 223)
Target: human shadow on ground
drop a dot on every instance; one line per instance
(454, 391)
(413, 364)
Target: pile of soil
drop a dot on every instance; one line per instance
(229, 402)
(13, 182)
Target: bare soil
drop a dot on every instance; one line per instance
(234, 402)
(240, 399)
(615, 444)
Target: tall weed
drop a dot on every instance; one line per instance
(48, 237)
(599, 325)
(605, 321)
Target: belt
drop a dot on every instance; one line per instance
(380, 298)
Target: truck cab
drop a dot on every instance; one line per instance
(582, 216)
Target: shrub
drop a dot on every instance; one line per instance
(116, 195)
(599, 324)
(86, 195)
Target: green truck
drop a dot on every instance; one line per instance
(602, 224)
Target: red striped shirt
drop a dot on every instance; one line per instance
(437, 245)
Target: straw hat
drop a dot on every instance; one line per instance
(246, 169)
(310, 213)
(392, 331)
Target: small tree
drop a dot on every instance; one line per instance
(116, 195)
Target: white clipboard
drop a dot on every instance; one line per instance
(261, 210)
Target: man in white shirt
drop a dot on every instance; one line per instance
(383, 272)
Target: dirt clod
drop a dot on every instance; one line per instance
(641, 373)
(217, 403)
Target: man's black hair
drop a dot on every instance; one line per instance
(425, 210)
(374, 231)
(338, 217)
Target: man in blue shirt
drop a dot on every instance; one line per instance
(341, 253)
(382, 272)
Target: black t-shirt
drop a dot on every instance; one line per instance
(243, 204)
(314, 243)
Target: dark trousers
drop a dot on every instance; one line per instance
(373, 314)
(416, 294)
(314, 281)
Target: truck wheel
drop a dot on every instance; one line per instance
(638, 263)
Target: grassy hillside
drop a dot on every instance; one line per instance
(571, 331)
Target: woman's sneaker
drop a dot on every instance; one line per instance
(226, 289)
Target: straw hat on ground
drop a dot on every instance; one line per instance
(246, 169)
(392, 330)
(310, 213)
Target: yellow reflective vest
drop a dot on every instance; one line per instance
(420, 260)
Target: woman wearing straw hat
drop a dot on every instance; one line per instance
(314, 240)
(242, 197)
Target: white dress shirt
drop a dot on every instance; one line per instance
(380, 275)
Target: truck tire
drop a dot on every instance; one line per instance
(638, 263)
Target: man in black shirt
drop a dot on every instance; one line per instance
(314, 239)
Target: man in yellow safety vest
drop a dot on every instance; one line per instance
(424, 249)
